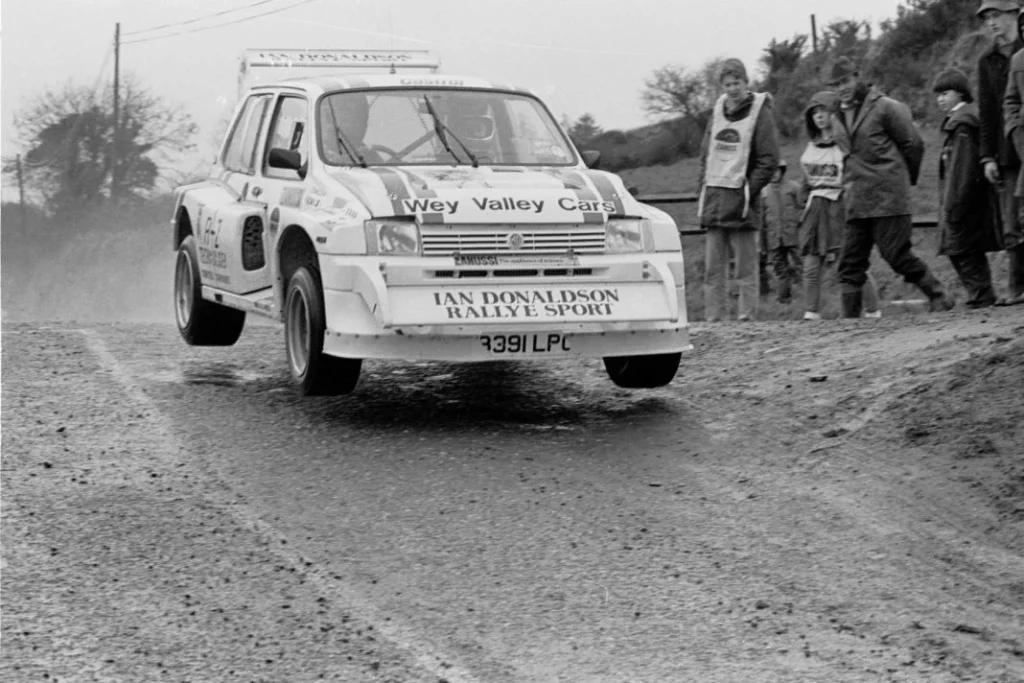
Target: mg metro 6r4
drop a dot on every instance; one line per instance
(397, 216)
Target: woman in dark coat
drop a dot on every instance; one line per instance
(968, 209)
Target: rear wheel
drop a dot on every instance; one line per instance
(643, 372)
(201, 322)
(316, 373)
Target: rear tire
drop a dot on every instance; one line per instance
(316, 373)
(201, 322)
(643, 372)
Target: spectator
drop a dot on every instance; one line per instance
(780, 200)
(1013, 221)
(823, 221)
(738, 155)
(883, 158)
(968, 216)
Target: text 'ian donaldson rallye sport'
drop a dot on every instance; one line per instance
(382, 210)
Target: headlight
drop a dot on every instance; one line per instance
(628, 236)
(392, 238)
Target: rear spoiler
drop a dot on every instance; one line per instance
(267, 66)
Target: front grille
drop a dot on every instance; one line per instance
(446, 240)
(524, 272)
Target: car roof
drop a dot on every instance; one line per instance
(318, 85)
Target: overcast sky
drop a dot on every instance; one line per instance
(580, 55)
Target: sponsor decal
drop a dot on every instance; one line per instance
(524, 304)
(291, 196)
(727, 143)
(500, 204)
(213, 257)
(822, 170)
(515, 260)
(311, 201)
(215, 277)
(432, 81)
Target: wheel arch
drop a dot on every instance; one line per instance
(294, 250)
(182, 226)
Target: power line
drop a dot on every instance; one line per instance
(221, 25)
(198, 19)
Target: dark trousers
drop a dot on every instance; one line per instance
(892, 236)
(976, 277)
(1016, 267)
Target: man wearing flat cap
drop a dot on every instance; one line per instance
(883, 158)
(999, 107)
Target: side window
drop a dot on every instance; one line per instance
(240, 153)
(289, 131)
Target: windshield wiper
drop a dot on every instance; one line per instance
(444, 131)
(343, 141)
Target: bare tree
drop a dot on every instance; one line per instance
(72, 158)
(674, 91)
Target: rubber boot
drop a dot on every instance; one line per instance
(785, 291)
(937, 299)
(852, 303)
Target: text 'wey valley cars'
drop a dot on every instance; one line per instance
(380, 209)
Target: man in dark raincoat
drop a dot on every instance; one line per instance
(883, 158)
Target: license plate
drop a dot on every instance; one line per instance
(525, 344)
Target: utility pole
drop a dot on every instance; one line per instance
(114, 175)
(814, 35)
(21, 198)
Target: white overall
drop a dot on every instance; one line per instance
(729, 151)
(823, 168)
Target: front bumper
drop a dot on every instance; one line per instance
(398, 308)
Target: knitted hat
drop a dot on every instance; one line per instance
(953, 79)
(841, 68)
(999, 5)
(733, 67)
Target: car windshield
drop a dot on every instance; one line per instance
(439, 126)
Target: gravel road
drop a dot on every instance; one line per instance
(837, 502)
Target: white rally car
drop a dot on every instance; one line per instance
(382, 210)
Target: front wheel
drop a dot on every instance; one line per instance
(643, 372)
(201, 322)
(316, 373)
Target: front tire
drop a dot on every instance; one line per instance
(316, 373)
(643, 372)
(201, 322)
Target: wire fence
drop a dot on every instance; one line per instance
(926, 222)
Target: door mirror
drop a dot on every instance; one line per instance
(288, 159)
(592, 158)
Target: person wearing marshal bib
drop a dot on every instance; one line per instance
(884, 151)
(823, 219)
(739, 154)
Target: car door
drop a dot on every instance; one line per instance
(284, 190)
(237, 229)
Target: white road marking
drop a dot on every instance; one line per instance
(402, 637)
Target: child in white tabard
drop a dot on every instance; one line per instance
(823, 219)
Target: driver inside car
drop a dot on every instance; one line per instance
(352, 114)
